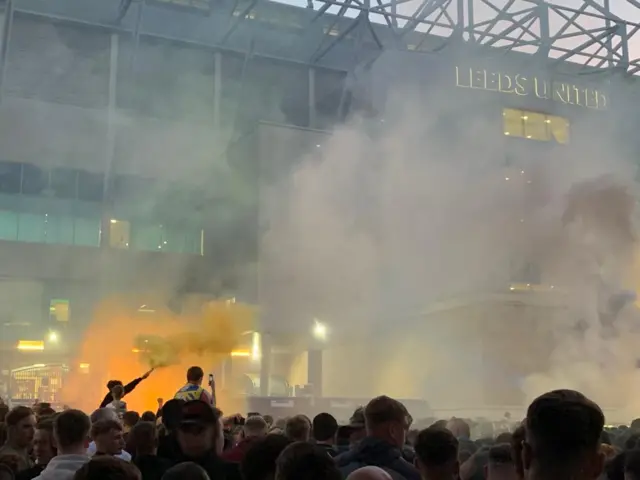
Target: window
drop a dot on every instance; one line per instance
(181, 240)
(535, 126)
(35, 180)
(119, 233)
(148, 237)
(10, 177)
(32, 227)
(64, 183)
(86, 232)
(59, 310)
(60, 230)
(90, 186)
(8, 226)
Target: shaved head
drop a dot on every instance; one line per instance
(369, 473)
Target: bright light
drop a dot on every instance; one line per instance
(30, 345)
(319, 330)
(53, 337)
(113, 220)
(255, 346)
(240, 353)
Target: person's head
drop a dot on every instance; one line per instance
(45, 412)
(369, 473)
(501, 465)
(148, 416)
(517, 440)
(104, 414)
(255, 427)
(504, 437)
(199, 428)
(324, 428)
(129, 419)
(387, 419)
(108, 437)
(117, 392)
(186, 470)
(356, 429)
(171, 413)
(635, 425)
(297, 428)
(459, 428)
(437, 454)
(562, 437)
(632, 465)
(43, 443)
(105, 467)
(113, 383)
(143, 438)
(302, 460)
(268, 419)
(21, 427)
(71, 432)
(259, 462)
(195, 375)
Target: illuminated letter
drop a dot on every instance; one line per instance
(505, 84)
(493, 82)
(560, 89)
(521, 88)
(478, 79)
(578, 95)
(458, 84)
(601, 100)
(545, 88)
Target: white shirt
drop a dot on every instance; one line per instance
(122, 455)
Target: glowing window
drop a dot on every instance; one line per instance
(59, 310)
(513, 123)
(535, 126)
(119, 233)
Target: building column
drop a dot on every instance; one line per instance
(312, 97)
(5, 36)
(314, 371)
(265, 364)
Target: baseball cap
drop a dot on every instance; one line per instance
(197, 412)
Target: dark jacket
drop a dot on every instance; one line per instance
(330, 449)
(30, 473)
(237, 453)
(128, 388)
(216, 468)
(152, 467)
(376, 452)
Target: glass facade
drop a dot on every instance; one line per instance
(45, 228)
(535, 126)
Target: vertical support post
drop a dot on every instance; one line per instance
(4, 47)
(545, 35)
(312, 97)
(471, 23)
(314, 371)
(110, 136)
(217, 90)
(265, 365)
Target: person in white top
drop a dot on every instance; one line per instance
(105, 414)
(71, 433)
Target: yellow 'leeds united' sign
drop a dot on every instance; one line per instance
(525, 86)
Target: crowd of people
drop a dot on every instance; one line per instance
(563, 437)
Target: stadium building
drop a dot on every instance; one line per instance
(137, 134)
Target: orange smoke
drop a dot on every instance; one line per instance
(110, 350)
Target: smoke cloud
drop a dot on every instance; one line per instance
(404, 236)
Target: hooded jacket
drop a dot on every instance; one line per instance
(63, 467)
(378, 453)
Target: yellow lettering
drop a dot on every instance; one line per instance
(505, 83)
(458, 81)
(521, 89)
(576, 95)
(536, 88)
(591, 98)
(560, 93)
(493, 82)
(478, 79)
(601, 100)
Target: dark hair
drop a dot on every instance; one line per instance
(504, 437)
(297, 428)
(195, 374)
(17, 414)
(324, 427)
(104, 426)
(46, 412)
(171, 412)
(143, 437)
(614, 468)
(501, 454)
(148, 416)
(130, 418)
(259, 461)
(117, 392)
(71, 428)
(561, 425)
(304, 460)
(106, 467)
(45, 424)
(436, 447)
(384, 409)
(186, 470)
(113, 383)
